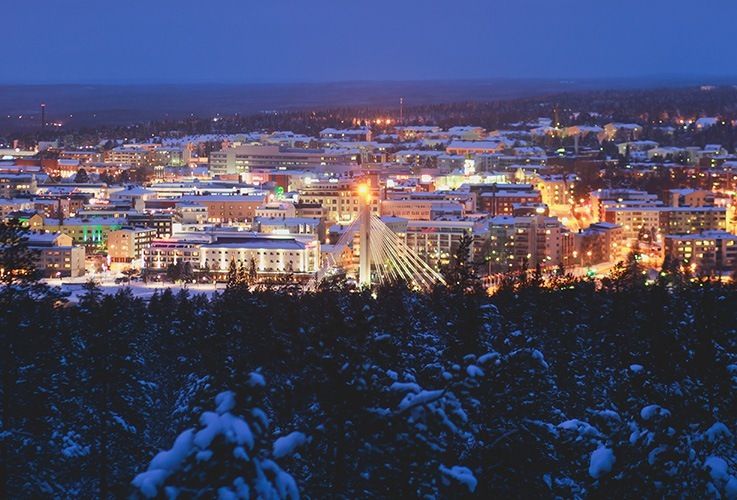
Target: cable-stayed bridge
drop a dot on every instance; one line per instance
(383, 257)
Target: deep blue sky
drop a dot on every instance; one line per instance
(162, 41)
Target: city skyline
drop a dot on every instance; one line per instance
(293, 42)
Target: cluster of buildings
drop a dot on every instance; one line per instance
(277, 203)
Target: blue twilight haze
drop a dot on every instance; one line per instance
(166, 41)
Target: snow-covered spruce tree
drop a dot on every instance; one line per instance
(114, 394)
(27, 358)
(226, 455)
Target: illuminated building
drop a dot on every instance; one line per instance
(57, 256)
(127, 244)
(162, 223)
(600, 242)
(270, 253)
(354, 134)
(435, 241)
(556, 190)
(12, 184)
(475, 147)
(224, 208)
(691, 198)
(276, 209)
(340, 199)
(538, 241)
(668, 220)
(8, 206)
(161, 253)
(421, 209)
(137, 157)
(691, 220)
(242, 159)
(706, 251)
(603, 199)
(88, 232)
(501, 202)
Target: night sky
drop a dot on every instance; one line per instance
(234, 41)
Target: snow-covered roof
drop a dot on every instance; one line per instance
(134, 191)
(493, 144)
(287, 221)
(707, 121)
(257, 242)
(223, 198)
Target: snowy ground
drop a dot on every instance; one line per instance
(139, 289)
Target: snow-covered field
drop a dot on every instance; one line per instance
(139, 289)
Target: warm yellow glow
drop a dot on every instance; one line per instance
(362, 189)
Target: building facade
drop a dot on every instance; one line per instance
(243, 159)
(703, 252)
(126, 245)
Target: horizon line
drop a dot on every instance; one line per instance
(678, 77)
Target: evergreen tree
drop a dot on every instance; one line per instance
(17, 260)
(252, 273)
(187, 274)
(82, 176)
(226, 455)
(232, 274)
(27, 312)
(460, 275)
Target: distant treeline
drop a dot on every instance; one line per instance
(644, 106)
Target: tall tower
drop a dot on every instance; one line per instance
(43, 118)
(401, 111)
(364, 228)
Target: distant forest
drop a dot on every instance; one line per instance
(570, 388)
(649, 107)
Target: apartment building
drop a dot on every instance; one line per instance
(341, 199)
(15, 184)
(467, 199)
(58, 257)
(706, 251)
(225, 208)
(538, 241)
(135, 157)
(421, 209)
(161, 222)
(635, 220)
(126, 245)
(556, 190)
(666, 220)
(691, 198)
(692, 220)
(604, 199)
(600, 242)
(435, 241)
(190, 213)
(501, 202)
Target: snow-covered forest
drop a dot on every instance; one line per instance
(570, 388)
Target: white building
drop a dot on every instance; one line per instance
(271, 254)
